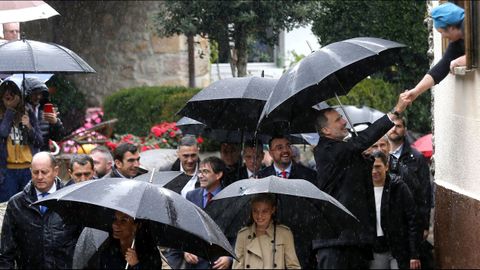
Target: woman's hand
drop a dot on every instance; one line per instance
(131, 257)
(459, 62)
(51, 118)
(26, 121)
(223, 262)
(11, 101)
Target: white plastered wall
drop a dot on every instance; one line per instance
(457, 130)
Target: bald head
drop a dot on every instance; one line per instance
(44, 171)
(11, 31)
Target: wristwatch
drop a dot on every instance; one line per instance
(394, 112)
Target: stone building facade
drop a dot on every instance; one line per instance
(118, 39)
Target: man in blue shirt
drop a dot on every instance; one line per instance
(210, 174)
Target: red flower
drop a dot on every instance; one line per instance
(199, 140)
(145, 148)
(172, 134)
(111, 145)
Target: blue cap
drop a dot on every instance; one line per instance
(447, 14)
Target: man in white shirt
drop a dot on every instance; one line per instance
(187, 163)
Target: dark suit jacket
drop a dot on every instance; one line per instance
(298, 171)
(345, 174)
(179, 183)
(196, 197)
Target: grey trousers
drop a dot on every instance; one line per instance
(383, 261)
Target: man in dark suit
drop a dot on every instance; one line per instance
(187, 163)
(230, 154)
(127, 161)
(253, 157)
(283, 165)
(413, 168)
(210, 174)
(345, 174)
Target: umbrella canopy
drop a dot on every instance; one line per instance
(309, 212)
(424, 145)
(24, 11)
(230, 104)
(174, 221)
(160, 178)
(332, 70)
(191, 126)
(29, 56)
(359, 114)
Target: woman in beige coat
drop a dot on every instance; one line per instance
(255, 244)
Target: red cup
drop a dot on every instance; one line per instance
(48, 108)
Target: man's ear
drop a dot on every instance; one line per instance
(118, 163)
(56, 169)
(219, 175)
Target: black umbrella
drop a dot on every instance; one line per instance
(29, 56)
(191, 126)
(88, 243)
(309, 212)
(172, 180)
(331, 71)
(230, 104)
(173, 221)
(160, 178)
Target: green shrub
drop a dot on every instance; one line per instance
(138, 109)
(70, 101)
(374, 93)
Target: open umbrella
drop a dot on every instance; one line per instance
(331, 71)
(172, 180)
(424, 145)
(174, 221)
(29, 56)
(230, 104)
(24, 11)
(309, 212)
(160, 178)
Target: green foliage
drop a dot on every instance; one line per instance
(381, 95)
(374, 93)
(138, 109)
(70, 101)
(226, 21)
(213, 52)
(400, 21)
(295, 58)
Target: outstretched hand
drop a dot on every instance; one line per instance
(404, 99)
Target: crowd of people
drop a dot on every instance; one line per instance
(376, 175)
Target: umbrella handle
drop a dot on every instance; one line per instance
(345, 113)
(151, 177)
(133, 245)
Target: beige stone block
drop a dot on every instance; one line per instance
(175, 82)
(172, 44)
(141, 47)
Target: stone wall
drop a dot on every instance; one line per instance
(118, 39)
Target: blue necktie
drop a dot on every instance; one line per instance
(43, 209)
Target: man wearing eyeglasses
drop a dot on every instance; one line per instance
(211, 173)
(283, 165)
(11, 31)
